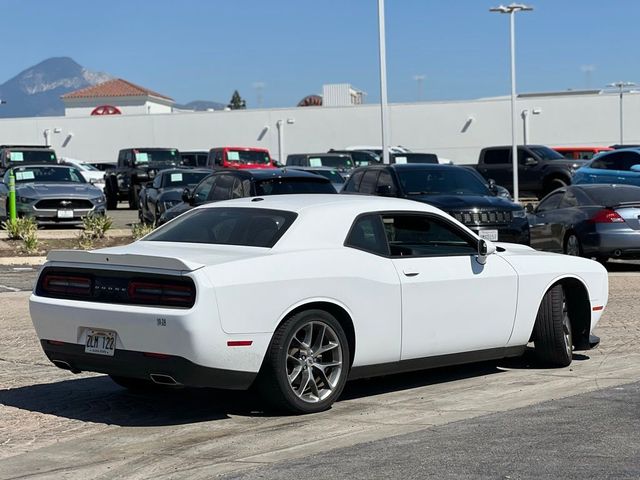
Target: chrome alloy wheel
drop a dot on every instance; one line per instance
(566, 328)
(314, 361)
(573, 246)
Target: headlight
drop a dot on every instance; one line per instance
(519, 213)
(100, 199)
(24, 199)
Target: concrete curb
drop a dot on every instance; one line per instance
(10, 261)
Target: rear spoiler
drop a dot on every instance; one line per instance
(624, 204)
(124, 260)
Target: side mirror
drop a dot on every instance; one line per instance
(485, 248)
(530, 162)
(186, 196)
(492, 186)
(384, 190)
(529, 208)
(635, 168)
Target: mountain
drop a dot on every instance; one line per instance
(202, 105)
(36, 91)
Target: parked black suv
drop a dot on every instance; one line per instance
(453, 189)
(229, 184)
(16, 155)
(136, 166)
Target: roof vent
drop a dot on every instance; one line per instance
(257, 199)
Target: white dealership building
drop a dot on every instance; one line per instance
(456, 130)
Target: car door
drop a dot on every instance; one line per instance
(528, 171)
(624, 174)
(604, 168)
(151, 196)
(542, 220)
(450, 302)
(496, 164)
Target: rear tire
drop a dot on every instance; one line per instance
(112, 198)
(552, 331)
(307, 363)
(572, 245)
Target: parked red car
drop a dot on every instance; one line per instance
(580, 153)
(239, 157)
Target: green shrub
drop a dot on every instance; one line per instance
(12, 226)
(19, 227)
(30, 239)
(95, 226)
(139, 230)
(85, 241)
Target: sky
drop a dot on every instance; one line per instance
(205, 49)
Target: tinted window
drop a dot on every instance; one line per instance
(550, 203)
(423, 235)
(385, 180)
(238, 189)
(21, 157)
(616, 161)
(610, 196)
(280, 186)
(569, 200)
(252, 227)
(367, 234)
(343, 161)
(48, 175)
(353, 183)
(362, 159)
(368, 183)
(222, 188)
(248, 157)
(201, 192)
(333, 175)
(496, 157)
(142, 157)
(414, 158)
(546, 153)
(449, 180)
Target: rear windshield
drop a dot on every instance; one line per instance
(248, 157)
(156, 156)
(182, 179)
(281, 186)
(19, 157)
(251, 227)
(448, 180)
(608, 195)
(331, 161)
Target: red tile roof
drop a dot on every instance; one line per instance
(114, 88)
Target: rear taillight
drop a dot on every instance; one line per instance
(156, 293)
(67, 284)
(606, 215)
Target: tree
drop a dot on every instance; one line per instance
(236, 103)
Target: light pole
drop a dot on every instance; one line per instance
(384, 108)
(621, 86)
(511, 10)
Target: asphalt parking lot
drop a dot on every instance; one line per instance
(506, 419)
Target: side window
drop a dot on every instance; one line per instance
(569, 200)
(217, 157)
(368, 183)
(523, 155)
(353, 184)
(496, 157)
(425, 236)
(367, 234)
(627, 160)
(157, 182)
(550, 203)
(237, 190)
(222, 188)
(202, 190)
(606, 162)
(385, 182)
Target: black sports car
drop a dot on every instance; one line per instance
(166, 191)
(230, 183)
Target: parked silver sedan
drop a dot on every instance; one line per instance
(52, 194)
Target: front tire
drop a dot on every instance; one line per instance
(307, 364)
(552, 332)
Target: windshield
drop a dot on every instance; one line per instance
(547, 153)
(248, 157)
(182, 179)
(251, 227)
(17, 157)
(156, 156)
(282, 186)
(333, 175)
(48, 175)
(415, 158)
(448, 180)
(331, 161)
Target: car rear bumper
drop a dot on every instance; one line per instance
(132, 364)
(618, 243)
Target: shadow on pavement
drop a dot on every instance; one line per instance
(623, 266)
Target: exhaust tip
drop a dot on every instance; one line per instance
(617, 253)
(65, 366)
(162, 379)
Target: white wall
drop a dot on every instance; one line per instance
(140, 105)
(424, 127)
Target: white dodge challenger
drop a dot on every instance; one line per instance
(299, 293)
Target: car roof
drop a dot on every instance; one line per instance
(270, 173)
(411, 166)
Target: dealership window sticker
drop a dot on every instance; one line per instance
(176, 177)
(231, 156)
(142, 157)
(16, 156)
(28, 175)
(315, 162)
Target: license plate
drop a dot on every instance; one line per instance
(100, 342)
(65, 213)
(491, 235)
